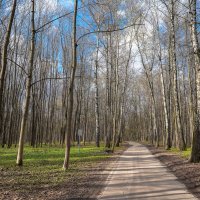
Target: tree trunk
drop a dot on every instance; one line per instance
(180, 141)
(195, 153)
(28, 90)
(3, 63)
(97, 96)
(167, 133)
(71, 91)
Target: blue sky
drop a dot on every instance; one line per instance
(67, 3)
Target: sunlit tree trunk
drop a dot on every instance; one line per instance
(122, 106)
(71, 90)
(180, 141)
(28, 89)
(108, 100)
(167, 133)
(97, 95)
(115, 98)
(195, 153)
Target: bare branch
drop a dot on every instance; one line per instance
(57, 18)
(18, 66)
(107, 31)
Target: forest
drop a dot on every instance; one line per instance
(80, 80)
(100, 72)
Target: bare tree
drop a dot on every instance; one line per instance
(71, 89)
(28, 88)
(195, 156)
(4, 61)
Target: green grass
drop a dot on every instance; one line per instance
(43, 166)
(184, 154)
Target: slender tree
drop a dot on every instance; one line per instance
(71, 89)
(3, 60)
(195, 153)
(28, 88)
(180, 140)
(97, 95)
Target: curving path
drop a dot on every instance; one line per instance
(139, 175)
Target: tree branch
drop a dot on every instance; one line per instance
(66, 14)
(18, 66)
(107, 31)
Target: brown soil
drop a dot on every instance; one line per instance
(86, 186)
(187, 173)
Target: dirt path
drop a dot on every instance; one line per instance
(139, 175)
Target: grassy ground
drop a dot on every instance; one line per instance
(43, 166)
(184, 154)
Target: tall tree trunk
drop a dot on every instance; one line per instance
(121, 116)
(28, 89)
(97, 96)
(115, 98)
(71, 91)
(191, 104)
(167, 133)
(108, 95)
(195, 153)
(163, 91)
(180, 141)
(3, 60)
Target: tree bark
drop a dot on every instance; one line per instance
(28, 89)
(195, 153)
(97, 96)
(4, 62)
(180, 141)
(71, 91)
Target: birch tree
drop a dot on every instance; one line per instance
(195, 153)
